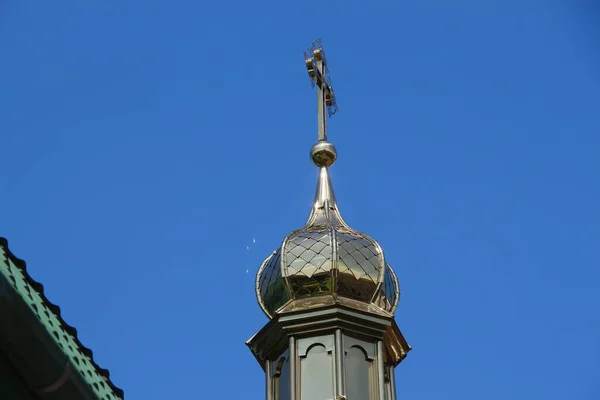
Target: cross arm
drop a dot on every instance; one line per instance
(322, 82)
(319, 74)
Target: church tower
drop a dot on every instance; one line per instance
(330, 295)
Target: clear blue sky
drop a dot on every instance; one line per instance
(153, 153)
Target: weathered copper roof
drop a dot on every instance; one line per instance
(49, 315)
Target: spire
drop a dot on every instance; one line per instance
(326, 257)
(323, 153)
(324, 207)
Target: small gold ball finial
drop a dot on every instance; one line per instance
(323, 154)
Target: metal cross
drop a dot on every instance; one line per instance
(319, 74)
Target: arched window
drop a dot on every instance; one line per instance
(360, 374)
(316, 375)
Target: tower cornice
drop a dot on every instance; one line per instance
(272, 339)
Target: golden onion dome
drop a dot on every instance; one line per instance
(326, 257)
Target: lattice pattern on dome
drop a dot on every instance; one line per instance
(271, 284)
(359, 264)
(307, 262)
(389, 289)
(358, 256)
(328, 257)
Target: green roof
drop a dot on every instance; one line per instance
(17, 284)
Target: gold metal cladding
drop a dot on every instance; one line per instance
(326, 256)
(259, 296)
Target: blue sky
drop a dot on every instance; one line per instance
(154, 153)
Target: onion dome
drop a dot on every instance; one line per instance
(326, 257)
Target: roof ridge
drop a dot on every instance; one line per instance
(102, 385)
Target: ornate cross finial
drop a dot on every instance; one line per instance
(319, 74)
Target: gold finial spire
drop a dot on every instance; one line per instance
(323, 153)
(326, 258)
